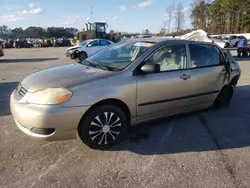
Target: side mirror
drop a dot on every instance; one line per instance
(88, 45)
(150, 68)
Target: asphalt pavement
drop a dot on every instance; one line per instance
(209, 149)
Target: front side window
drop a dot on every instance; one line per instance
(204, 55)
(170, 57)
(94, 43)
(120, 55)
(83, 43)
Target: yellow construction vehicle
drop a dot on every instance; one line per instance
(97, 30)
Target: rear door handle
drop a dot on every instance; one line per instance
(185, 77)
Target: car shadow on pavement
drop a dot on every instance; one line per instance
(241, 58)
(5, 92)
(207, 130)
(28, 60)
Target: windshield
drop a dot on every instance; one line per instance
(85, 42)
(120, 55)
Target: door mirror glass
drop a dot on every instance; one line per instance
(150, 68)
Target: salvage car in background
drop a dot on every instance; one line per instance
(62, 43)
(23, 44)
(124, 84)
(1, 48)
(87, 48)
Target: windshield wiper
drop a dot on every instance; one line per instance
(85, 62)
(100, 65)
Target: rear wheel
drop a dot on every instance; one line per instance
(103, 127)
(224, 98)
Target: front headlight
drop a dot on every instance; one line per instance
(50, 96)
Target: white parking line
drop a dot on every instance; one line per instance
(162, 140)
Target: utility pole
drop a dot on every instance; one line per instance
(91, 18)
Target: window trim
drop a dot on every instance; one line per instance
(208, 66)
(137, 69)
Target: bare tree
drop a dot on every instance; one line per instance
(169, 11)
(165, 26)
(179, 17)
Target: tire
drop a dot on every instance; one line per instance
(224, 98)
(238, 54)
(99, 135)
(82, 56)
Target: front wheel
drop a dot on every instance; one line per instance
(82, 56)
(225, 96)
(103, 127)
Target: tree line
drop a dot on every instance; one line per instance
(221, 16)
(175, 20)
(37, 32)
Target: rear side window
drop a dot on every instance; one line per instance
(104, 43)
(204, 55)
(242, 37)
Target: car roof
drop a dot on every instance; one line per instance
(160, 40)
(152, 39)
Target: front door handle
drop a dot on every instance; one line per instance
(223, 71)
(185, 77)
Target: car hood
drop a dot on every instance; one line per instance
(63, 76)
(74, 47)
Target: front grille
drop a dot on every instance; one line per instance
(21, 91)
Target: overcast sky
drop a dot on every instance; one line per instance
(121, 15)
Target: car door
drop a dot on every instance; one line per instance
(207, 71)
(93, 47)
(168, 91)
(232, 40)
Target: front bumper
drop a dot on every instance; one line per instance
(68, 54)
(63, 120)
(72, 54)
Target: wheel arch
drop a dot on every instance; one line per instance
(83, 51)
(234, 81)
(112, 101)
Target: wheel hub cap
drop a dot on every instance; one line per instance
(106, 128)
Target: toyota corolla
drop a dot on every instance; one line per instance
(125, 84)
